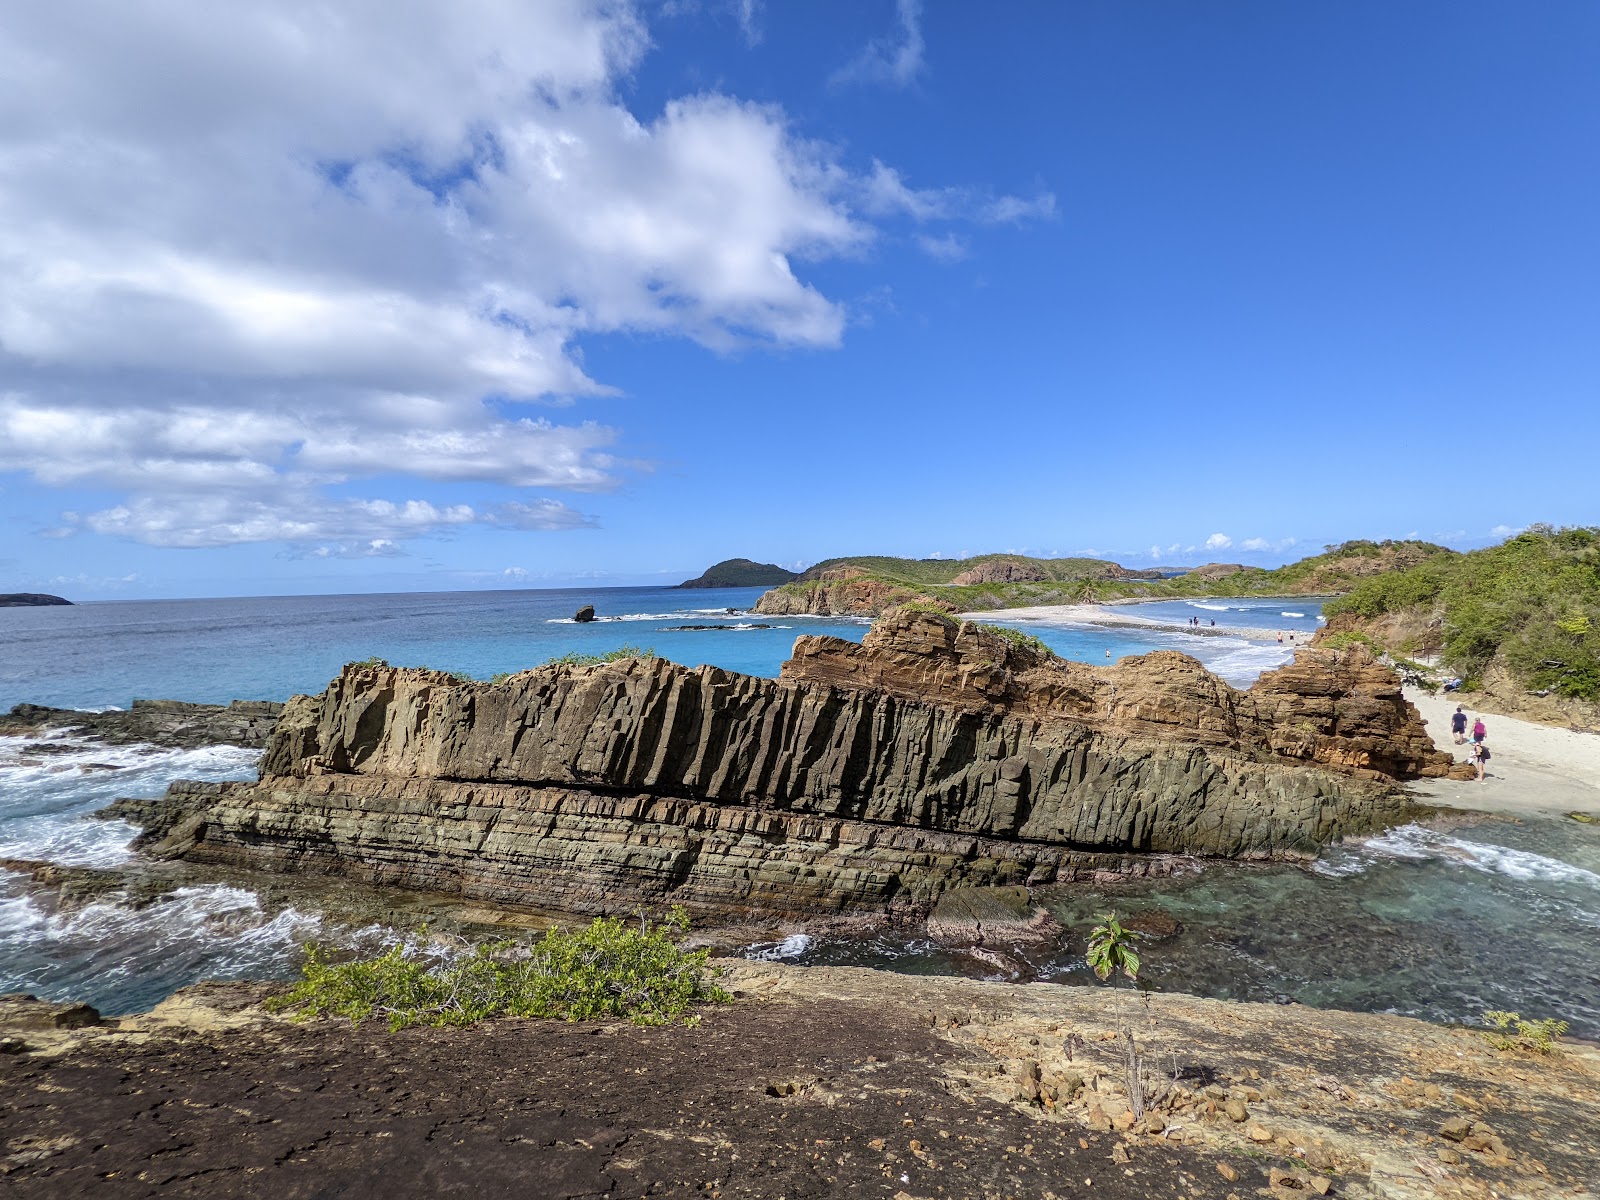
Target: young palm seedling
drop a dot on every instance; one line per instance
(1111, 953)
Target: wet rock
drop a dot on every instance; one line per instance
(1154, 925)
(584, 615)
(981, 915)
(174, 723)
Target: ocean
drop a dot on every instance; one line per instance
(1496, 914)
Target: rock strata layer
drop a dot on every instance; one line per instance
(867, 778)
(160, 722)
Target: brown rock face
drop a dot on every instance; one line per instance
(866, 778)
(1214, 571)
(839, 592)
(1001, 571)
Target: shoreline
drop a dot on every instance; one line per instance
(1534, 769)
(1100, 615)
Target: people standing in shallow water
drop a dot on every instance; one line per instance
(1458, 724)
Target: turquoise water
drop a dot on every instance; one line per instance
(269, 648)
(1248, 612)
(1442, 925)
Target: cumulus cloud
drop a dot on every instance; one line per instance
(1505, 531)
(254, 252)
(1255, 543)
(895, 60)
(1218, 541)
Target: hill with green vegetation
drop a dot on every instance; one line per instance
(29, 600)
(740, 572)
(1527, 609)
(868, 584)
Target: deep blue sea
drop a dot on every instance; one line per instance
(1495, 914)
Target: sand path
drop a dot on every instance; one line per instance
(1534, 769)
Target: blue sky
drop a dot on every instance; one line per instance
(430, 297)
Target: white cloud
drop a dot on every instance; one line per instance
(516, 573)
(304, 516)
(252, 253)
(885, 192)
(946, 249)
(1505, 531)
(1218, 541)
(1255, 543)
(1155, 552)
(895, 60)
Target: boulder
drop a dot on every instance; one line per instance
(584, 615)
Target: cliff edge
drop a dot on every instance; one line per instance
(867, 778)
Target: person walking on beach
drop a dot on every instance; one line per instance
(1458, 724)
(1480, 759)
(1478, 732)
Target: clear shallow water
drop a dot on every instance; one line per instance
(1249, 612)
(1440, 925)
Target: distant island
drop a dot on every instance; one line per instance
(38, 599)
(741, 572)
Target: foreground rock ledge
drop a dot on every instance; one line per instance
(867, 778)
(814, 1082)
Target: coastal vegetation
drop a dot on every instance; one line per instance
(1508, 1031)
(611, 969)
(740, 572)
(992, 581)
(1529, 606)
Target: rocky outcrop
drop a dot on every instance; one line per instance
(160, 722)
(584, 615)
(1214, 571)
(1001, 570)
(29, 600)
(838, 592)
(867, 778)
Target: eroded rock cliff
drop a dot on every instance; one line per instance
(866, 778)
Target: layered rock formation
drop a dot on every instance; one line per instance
(866, 778)
(160, 722)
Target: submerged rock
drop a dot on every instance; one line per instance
(867, 778)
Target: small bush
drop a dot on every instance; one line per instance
(1345, 638)
(374, 661)
(1022, 641)
(1536, 1036)
(925, 606)
(590, 660)
(609, 969)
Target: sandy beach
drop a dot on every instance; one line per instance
(1107, 615)
(1533, 768)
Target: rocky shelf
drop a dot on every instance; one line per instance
(867, 779)
(815, 1081)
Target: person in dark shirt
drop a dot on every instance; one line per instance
(1458, 724)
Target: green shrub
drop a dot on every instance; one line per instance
(610, 969)
(1508, 1031)
(374, 661)
(589, 660)
(1346, 638)
(1022, 641)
